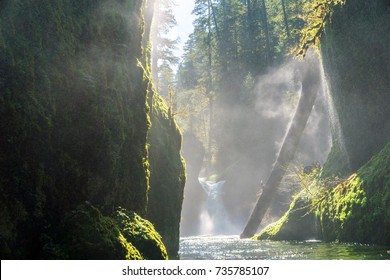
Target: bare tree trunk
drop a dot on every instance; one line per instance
(215, 21)
(311, 82)
(266, 31)
(285, 18)
(209, 86)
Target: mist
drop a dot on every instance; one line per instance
(249, 137)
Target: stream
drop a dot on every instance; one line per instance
(224, 247)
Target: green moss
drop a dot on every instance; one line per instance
(87, 234)
(74, 114)
(74, 125)
(141, 234)
(337, 162)
(167, 176)
(298, 223)
(319, 14)
(356, 67)
(357, 210)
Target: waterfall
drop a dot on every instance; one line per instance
(214, 219)
(337, 134)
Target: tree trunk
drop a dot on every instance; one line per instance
(215, 21)
(285, 19)
(266, 31)
(311, 83)
(209, 86)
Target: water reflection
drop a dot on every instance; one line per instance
(233, 248)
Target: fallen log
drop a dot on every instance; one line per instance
(309, 69)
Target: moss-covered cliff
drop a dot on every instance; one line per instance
(356, 59)
(358, 209)
(74, 124)
(355, 210)
(356, 56)
(167, 177)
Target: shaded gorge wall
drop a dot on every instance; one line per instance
(356, 59)
(74, 123)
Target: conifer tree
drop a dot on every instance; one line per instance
(163, 57)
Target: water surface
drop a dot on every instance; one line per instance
(234, 248)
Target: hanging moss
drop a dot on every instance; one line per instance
(319, 14)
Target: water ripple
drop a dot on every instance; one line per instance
(233, 248)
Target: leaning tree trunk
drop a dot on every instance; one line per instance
(311, 82)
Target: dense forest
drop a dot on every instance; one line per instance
(273, 98)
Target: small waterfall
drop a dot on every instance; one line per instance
(337, 134)
(214, 219)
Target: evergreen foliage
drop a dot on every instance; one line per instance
(227, 50)
(163, 57)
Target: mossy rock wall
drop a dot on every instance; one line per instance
(85, 233)
(140, 233)
(74, 124)
(167, 177)
(356, 56)
(195, 197)
(72, 105)
(358, 209)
